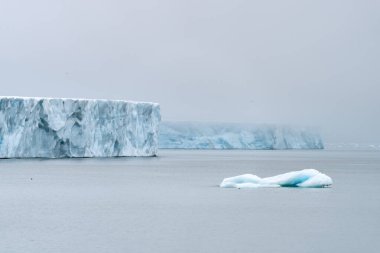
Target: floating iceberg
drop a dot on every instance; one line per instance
(54, 128)
(191, 135)
(304, 178)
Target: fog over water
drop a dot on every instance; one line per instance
(286, 62)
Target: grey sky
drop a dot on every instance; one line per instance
(288, 62)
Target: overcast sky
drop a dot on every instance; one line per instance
(287, 62)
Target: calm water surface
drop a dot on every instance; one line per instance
(171, 203)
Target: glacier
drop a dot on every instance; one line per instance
(307, 178)
(196, 135)
(65, 127)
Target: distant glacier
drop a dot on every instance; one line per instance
(60, 127)
(195, 135)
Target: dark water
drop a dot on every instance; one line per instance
(172, 204)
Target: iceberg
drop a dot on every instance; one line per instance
(192, 135)
(60, 127)
(308, 178)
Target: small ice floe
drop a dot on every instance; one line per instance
(303, 178)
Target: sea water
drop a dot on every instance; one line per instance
(172, 203)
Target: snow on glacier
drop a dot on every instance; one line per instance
(308, 178)
(192, 135)
(60, 127)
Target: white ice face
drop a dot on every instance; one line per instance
(304, 178)
(54, 128)
(190, 135)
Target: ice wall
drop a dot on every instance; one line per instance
(191, 135)
(55, 128)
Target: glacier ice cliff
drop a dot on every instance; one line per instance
(308, 178)
(55, 128)
(191, 135)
